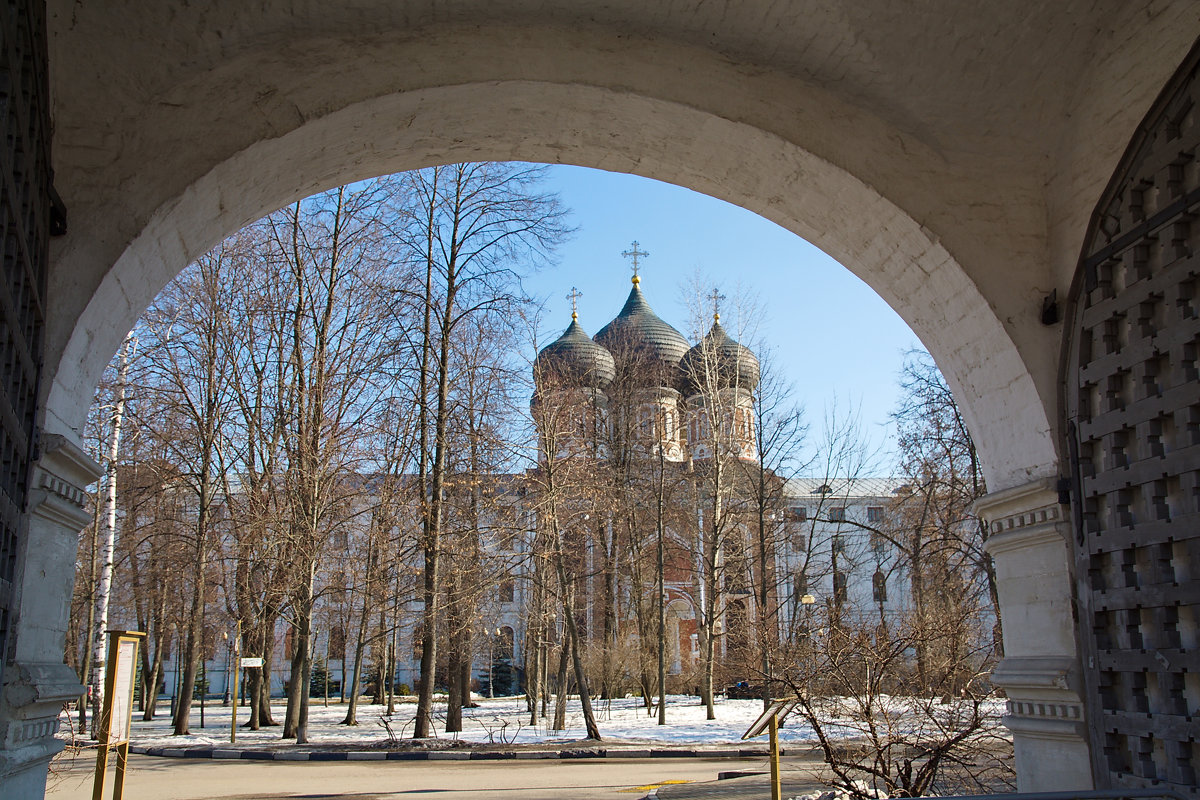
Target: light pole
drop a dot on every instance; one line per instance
(228, 660)
(235, 653)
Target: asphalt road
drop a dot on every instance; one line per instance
(156, 778)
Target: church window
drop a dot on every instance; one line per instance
(839, 544)
(504, 644)
(874, 514)
(645, 422)
(799, 513)
(837, 514)
(507, 590)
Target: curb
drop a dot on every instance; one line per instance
(228, 753)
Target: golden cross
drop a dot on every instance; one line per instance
(574, 296)
(716, 298)
(636, 256)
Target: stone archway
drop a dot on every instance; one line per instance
(901, 259)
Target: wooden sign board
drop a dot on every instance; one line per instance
(778, 711)
(120, 696)
(117, 715)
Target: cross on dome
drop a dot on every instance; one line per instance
(716, 298)
(574, 296)
(635, 255)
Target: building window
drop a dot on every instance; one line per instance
(837, 514)
(504, 644)
(879, 587)
(839, 544)
(646, 422)
(874, 514)
(418, 645)
(799, 513)
(799, 587)
(507, 590)
(337, 643)
(878, 545)
(824, 488)
(839, 587)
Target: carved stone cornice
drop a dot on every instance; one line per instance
(62, 472)
(1022, 516)
(1022, 674)
(40, 685)
(1044, 699)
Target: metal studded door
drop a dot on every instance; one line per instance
(24, 231)
(1132, 401)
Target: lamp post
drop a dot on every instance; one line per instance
(228, 664)
(491, 637)
(236, 656)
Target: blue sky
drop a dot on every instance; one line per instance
(834, 337)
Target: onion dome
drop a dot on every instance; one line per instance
(575, 360)
(638, 327)
(734, 365)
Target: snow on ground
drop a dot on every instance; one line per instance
(500, 721)
(497, 721)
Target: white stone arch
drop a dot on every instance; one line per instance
(607, 129)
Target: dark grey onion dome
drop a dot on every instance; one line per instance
(637, 326)
(736, 366)
(575, 360)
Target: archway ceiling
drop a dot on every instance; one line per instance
(978, 122)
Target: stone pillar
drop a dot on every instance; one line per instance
(1028, 537)
(36, 681)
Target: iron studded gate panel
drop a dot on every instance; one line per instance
(1132, 398)
(24, 232)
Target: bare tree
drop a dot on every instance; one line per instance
(779, 433)
(185, 365)
(472, 227)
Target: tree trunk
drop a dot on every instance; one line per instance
(108, 538)
(560, 707)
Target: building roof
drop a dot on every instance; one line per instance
(639, 327)
(842, 488)
(730, 364)
(576, 360)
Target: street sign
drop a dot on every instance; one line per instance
(251, 662)
(778, 711)
(769, 721)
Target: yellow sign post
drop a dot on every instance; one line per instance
(769, 722)
(112, 730)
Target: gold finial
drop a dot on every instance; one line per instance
(635, 255)
(716, 298)
(574, 296)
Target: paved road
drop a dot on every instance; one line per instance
(153, 778)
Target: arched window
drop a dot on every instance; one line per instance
(504, 643)
(507, 590)
(839, 587)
